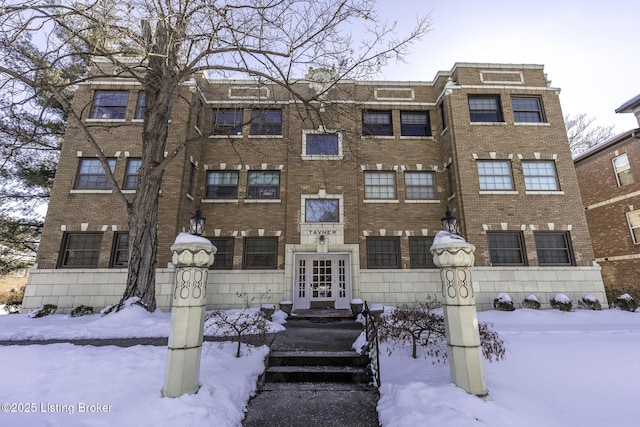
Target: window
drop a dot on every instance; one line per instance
(553, 248)
(264, 185)
(80, 250)
(321, 210)
(223, 259)
(383, 252)
(633, 218)
(415, 123)
(192, 178)
(131, 174)
(227, 121)
(120, 252)
(452, 180)
(485, 108)
(622, 169)
(420, 252)
(443, 115)
(323, 144)
(266, 122)
(495, 175)
(377, 123)
(506, 248)
(527, 109)
(109, 104)
(420, 185)
(540, 176)
(140, 106)
(91, 175)
(380, 185)
(222, 185)
(260, 252)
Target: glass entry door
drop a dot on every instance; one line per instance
(322, 281)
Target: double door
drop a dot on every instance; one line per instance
(322, 281)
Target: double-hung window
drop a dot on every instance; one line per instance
(380, 185)
(383, 252)
(227, 121)
(485, 108)
(495, 175)
(224, 254)
(80, 250)
(110, 104)
(263, 185)
(506, 248)
(622, 169)
(420, 252)
(91, 175)
(420, 185)
(633, 218)
(260, 252)
(131, 174)
(540, 175)
(141, 105)
(527, 109)
(415, 123)
(266, 122)
(222, 185)
(377, 123)
(120, 252)
(553, 248)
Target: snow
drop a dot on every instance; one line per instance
(554, 375)
(444, 236)
(625, 297)
(532, 297)
(562, 298)
(186, 238)
(502, 297)
(590, 298)
(357, 301)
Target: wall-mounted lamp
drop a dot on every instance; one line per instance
(322, 239)
(450, 223)
(196, 223)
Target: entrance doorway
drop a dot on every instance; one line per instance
(322, 281)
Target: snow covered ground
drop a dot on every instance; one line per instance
(578, 368)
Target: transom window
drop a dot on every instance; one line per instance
(506, 248)
(485, 108)
(495, 175)
(622, 169)
(80, 250)
(415, 123)
(383, 252)
(553, 248)
(420, 185)
(131, 174)
(323, 144)
(527, 109)
(377, 123)
(633, 218)
(263, 185)
(227, 121)
(222, 185)
(91, 175)
(260, 252)
(224, 254)
(321, 210)
(420, 252)
(141, 105)
(109, 104)
(380, 185)
(540, 175)
(266, 122)
(120, 254)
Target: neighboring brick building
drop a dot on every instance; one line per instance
(340, 202)
(609, 178)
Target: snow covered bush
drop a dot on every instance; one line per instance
(421, 324)
(561, 302)
(503, 303)
(590, 302)
(81, 310)
(531, 302)
(237, 322)
(45, 310)
(626, 302)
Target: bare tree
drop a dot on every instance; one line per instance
(164, 43)
(582, 135)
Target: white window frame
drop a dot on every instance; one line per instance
(321, 131)
(618, 171)
(321, 196)
(632, 226)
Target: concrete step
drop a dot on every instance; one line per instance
(338, 374)
(317, 358)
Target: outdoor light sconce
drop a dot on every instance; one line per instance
(196, 223)
(450, 223)
(322, 239)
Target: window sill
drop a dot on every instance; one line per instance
(416, 137)
(422, 201)
(381, 201)
(544, 193)
(219, 200)
(503, 192)
(133, 191)
(266, 136)
(377, 137)
(532, 124)
(321, 157)
(488, 123)
(224, 136)
(105, 120)
(88, 191)
(262, 201)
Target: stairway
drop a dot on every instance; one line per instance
(317, 366)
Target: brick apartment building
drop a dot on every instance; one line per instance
(609, 178)
(336, 200)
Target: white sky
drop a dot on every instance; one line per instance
(587, 47)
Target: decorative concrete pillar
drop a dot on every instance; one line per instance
(192, 255)
(454, 256)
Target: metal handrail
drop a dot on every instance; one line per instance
(371, 331)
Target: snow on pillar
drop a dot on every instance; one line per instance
(192, 255)
(455, 256)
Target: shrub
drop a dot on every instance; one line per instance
(561, 302)
(626, 302)
(238, 323)
(531, 302)
(420, 325)
(45, 310)
(590, 302)
(81, 310)
(503, 303)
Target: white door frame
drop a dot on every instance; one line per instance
(311, 267)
